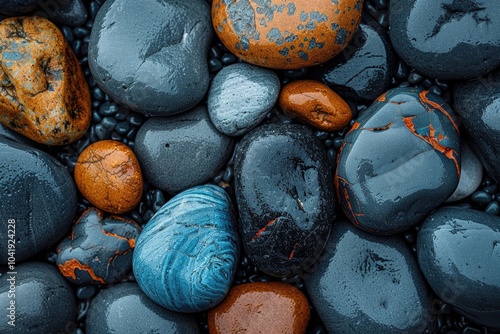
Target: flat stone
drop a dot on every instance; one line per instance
(471, 173)
(16, 7)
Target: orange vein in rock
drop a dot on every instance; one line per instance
(425, 100)
(69, 267)
(131, 241)
(259, 232)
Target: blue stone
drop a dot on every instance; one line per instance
(186, 257)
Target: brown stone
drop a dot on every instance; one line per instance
(108, 174)
(263, 307)
(316, 104)
(43, 92)
(286, 34)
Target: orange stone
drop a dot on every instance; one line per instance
(108, 174)
(263, 307)
(316, 104)
(43, 92)
(285, 34)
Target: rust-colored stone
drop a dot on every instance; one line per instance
(267, 308)
(108, 174)
(316, 104)
(286, 34)
(43, 92)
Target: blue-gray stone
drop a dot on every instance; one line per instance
(471, 173)
(16, 7)
(186, 257)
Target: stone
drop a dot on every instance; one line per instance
(186, 257)
(43, 301)
(13, 135)
(181, 151)
(286, 34)
(124, 308)
(240, 97)
(108, 174)
(471, 173)
(98, 250)
(50, 102)
(162, 67)
(285, 196)
(459, 251)
(366, 283)
(261, 307)
(64, 12)
(16, 7)
(363, 70)
(399, 161)
(447, 40)
(315, 104)
(38, 194)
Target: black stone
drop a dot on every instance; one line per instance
(16, 7)
(64, 12)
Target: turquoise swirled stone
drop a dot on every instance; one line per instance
(186, 257)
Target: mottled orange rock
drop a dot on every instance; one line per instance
(316, 104)
(263, 307)
(286, 34)
(43, 92)
(108, 174)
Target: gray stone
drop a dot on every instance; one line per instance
(471, 173)
(13, 135)
(16, 7)
(63, 12)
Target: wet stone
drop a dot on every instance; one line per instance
(16, 7)
(399, 161)
(63, 12)
(284, 190)
(471, 173)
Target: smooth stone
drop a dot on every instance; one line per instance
(446, 39)
(186, 257)
(240, 97)
(365, 283)
(459, 251)
(363, 70)
(38, 193)
(150, 56)
(63, 12)
(286, 35)
(98, 250)
(315, 104)
(253, 308)
(181, 151)
(50, 102)
(399, 161)
(13, 135)
(108, 174)
(471, 174)
(285, 196)
(124, 308)
(44, 302)
(16, 7)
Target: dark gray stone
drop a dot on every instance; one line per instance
(150, 55)
(63, 12)
(471, 173)
(13, 135)
(364, 283)
(16, 7)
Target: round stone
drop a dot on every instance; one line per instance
(64, 12)
(16, 7)
(108, 174)
(286, 34)
(471, 174)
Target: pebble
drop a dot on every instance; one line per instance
(471, 173)
(124, 308)
(13, 135)
(365, 283)
(43, 301)
(162, 68)
(181, 151)
(459, 250)
(445, 39)
(38, 194)
(261, 307)
(17, 7)
(315, 104)
(400, 161)
(286, 34)
(63, 12)
(98, 250)
(48, 103)
(363, 70)
(285, 196)
(240, 97)
(186, 257)
(108, 174)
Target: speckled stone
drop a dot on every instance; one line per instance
(365, 283)
(50, 102)
(286, 34)
(63, 12)
(240, 97)
(261, 308)
(185, 258)
(471, 173)
(459, 253)
(108, 174)
(160, 67)
(181, 151)
(44, 302)
(17, 7)
(124, 308)
(38, 193)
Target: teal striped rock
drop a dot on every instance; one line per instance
(186, 257)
